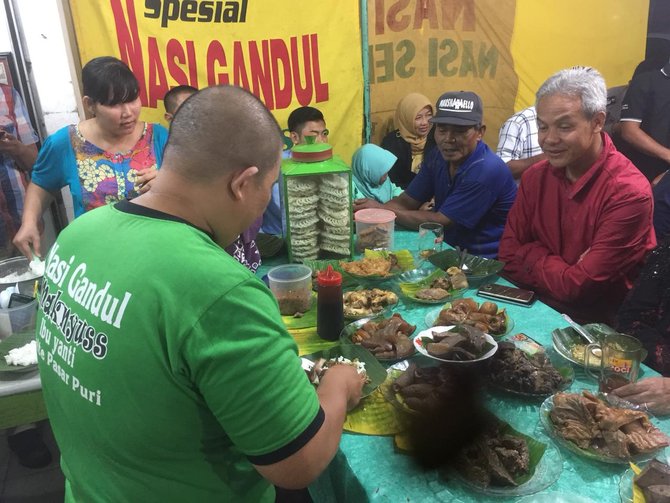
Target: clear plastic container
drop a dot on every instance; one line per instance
(18, 266)
(291, 285)
(19, 317)
(374, 229)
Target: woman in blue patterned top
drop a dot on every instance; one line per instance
(110, 157)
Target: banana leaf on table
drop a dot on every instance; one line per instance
(307, 320)
(309, 342)
(375, 415)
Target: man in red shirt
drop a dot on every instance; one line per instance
(582, 220)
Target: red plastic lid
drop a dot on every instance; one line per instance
(312, 156)
(329, 277)
(374, 216)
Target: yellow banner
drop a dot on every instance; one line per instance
(500, 49)
(287, 57)
(609, 35)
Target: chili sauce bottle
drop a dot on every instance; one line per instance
(329, 306)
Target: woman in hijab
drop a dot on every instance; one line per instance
(408, 141)
(370, 166)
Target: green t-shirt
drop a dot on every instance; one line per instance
(165, 364)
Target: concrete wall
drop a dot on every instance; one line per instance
(46, 54)
(46, 51)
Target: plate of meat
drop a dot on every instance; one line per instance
(386, 338)
(432, 286)
(485, 316)
(591, 426)
(536, 375)
(425, 390)
(456, 344)
(362, 303)
(648, 483)
(528, 467)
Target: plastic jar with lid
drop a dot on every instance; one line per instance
(374, 229)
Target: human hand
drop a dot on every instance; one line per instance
(429, 206)
(28, 240)
(361, 204)
(145, 178)
(347, 377)
(9, 144)
(652, 393)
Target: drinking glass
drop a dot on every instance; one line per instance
(431, 236)
(620, 357)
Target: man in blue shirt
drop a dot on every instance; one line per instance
(473, 188)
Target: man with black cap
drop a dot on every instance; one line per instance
(473, 188)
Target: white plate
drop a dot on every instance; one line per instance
(429, 334)
(432, 315)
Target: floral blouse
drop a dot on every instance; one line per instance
(107, 177)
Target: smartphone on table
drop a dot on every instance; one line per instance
(507, 294)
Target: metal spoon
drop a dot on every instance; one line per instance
(580, 329)
(462, 254)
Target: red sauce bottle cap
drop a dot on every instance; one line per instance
(329, 277)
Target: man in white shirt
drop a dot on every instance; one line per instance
(518, 145)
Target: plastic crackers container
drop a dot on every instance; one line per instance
(291, 285)
(374, 229)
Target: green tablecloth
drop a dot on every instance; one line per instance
(386, 475)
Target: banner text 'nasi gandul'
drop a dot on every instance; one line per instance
(276, 70)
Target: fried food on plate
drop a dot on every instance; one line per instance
(366, 302)
(372, 266)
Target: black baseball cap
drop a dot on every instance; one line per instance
(461, 108)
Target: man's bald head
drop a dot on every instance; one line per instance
(219, 130)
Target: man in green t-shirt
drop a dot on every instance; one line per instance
(167, 372)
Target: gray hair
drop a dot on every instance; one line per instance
(579, 81)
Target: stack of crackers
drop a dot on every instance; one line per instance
(319, 215)
(334, 214)
(302, 204)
